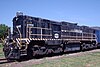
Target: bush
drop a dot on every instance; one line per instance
(1, 44)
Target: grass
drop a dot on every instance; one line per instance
(1, 50)
(90, 60)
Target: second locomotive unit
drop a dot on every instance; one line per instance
(33, 36)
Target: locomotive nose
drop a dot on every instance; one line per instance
(11, 50)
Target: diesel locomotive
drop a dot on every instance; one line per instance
(34, 36)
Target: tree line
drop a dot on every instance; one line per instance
(3, 31)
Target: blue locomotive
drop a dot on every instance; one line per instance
(33, 36)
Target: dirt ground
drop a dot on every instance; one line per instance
(5, 63)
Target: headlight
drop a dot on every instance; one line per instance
(11, 48)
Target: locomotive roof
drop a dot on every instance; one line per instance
(53, 22)
(97, 28)
(46, 20)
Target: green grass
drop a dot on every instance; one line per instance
(90, 60)
(1, 50)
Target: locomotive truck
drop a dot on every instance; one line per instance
(34, 36)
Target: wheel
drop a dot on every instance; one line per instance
(29, 52)
(7, 52)
(82, 47)
(11, 52)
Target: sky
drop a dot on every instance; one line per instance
(83, 12)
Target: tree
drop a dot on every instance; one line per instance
(3, 31)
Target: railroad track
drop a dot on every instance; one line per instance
(5, 63)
